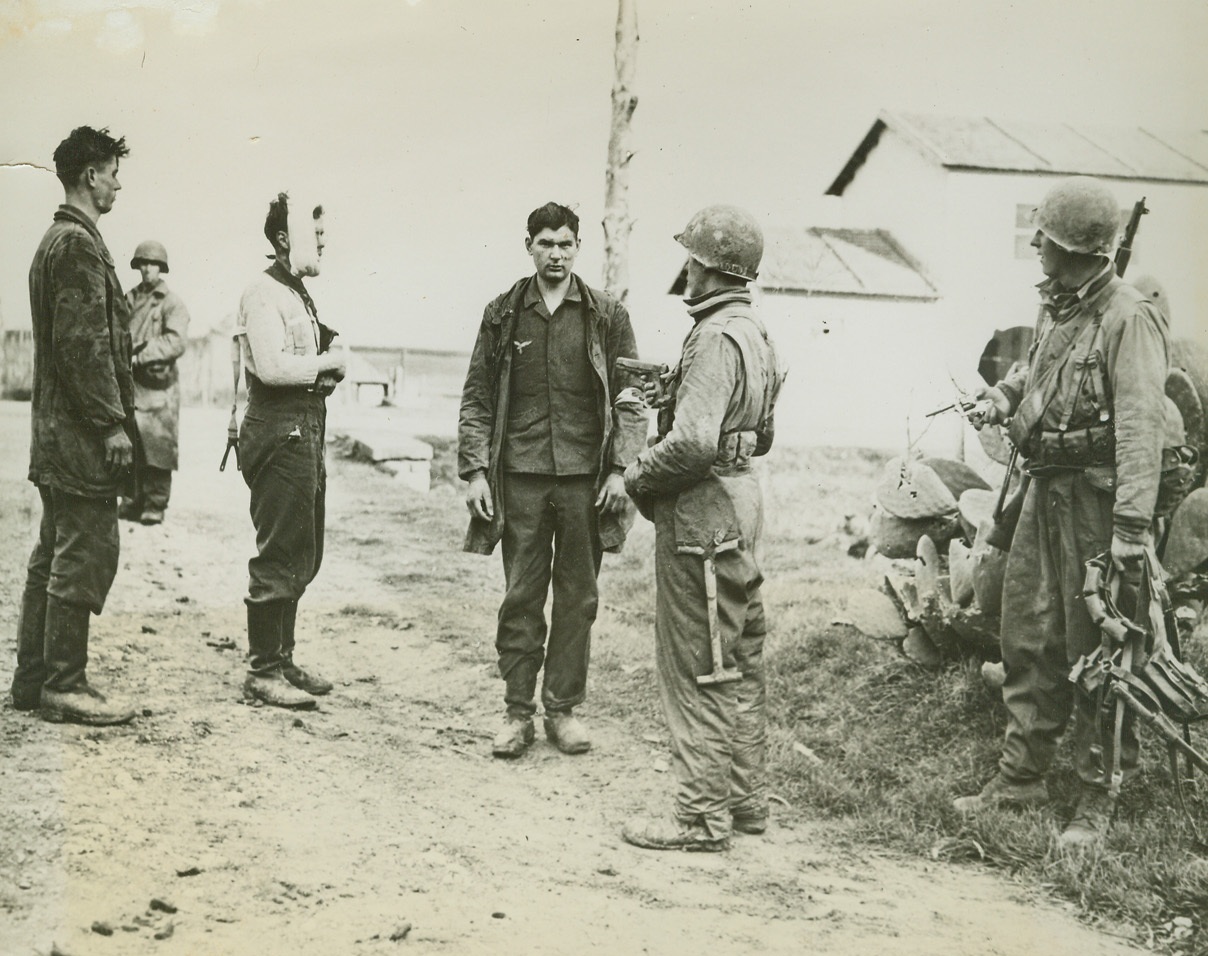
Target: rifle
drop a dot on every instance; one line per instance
(1124, 250)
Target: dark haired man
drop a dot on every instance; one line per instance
(542, 440)
(159, 326)
(82, 410)
(291, 368)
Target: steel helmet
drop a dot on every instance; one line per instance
(1081, 215)
(150, 251)
(724, 238)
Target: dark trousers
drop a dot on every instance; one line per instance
(550, 533)
(1046, 628)
(718, 731)
(281, 443)
(74, 561)
(151, 486)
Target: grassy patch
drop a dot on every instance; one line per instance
(880, 747)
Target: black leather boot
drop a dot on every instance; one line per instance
(308, 681)
(66, 695)
(30, 674)
(266, 679)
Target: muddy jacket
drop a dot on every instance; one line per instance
(159, 326)
(484, 404)
(724, 394)
(82, 391)
(1098, 367)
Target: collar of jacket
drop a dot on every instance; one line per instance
(1061, 303)
(702, 306)
(514, 298)
(66, 213)
(159, 290)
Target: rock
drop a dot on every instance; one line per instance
(989, 569)
(102, 929)
(960, 573)
(24, 885)
(875, 615)
(660, 765)
(927, 570)
(919, 648)
(899, 537)
(974, 506)
(606, 871)
(993, 674)
(956, 476)
(148, 629)
(166, 932)
(1187, 541)
(499, 915)
(189, 871)
(400, 932)
(162, 905)
(912, 490)
(993, 441)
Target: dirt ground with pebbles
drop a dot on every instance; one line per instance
(382, 814)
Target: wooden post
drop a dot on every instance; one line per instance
(617, 222)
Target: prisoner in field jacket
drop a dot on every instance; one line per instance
(484, 404)
(83, 391)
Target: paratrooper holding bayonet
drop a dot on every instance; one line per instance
(1088, 416)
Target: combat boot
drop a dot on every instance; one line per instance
(514, 737)
(672, 833)
(66, 696)
(566, 732)
(273, 689)
(1001, 792)
(30, 673)
(1091, 820)
(752, 820)
(308, 681)
(265, 680)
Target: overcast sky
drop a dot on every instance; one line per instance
(430, 128)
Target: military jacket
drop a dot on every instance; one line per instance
(159, 328)
(83, 391)
(1101, 360)
(486, 395)
(721, 414)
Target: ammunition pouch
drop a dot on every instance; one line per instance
(734, 452)
(1074, 448)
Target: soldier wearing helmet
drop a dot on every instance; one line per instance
(159, 327)
(698, 486)
(1088, 415)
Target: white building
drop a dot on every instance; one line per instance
(934, 256)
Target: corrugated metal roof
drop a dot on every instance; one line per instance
(856, 262)
(982, 143)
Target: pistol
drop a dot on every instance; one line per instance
(648, 372)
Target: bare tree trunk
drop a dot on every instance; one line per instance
(617, 222)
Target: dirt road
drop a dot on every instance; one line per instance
(328, 832)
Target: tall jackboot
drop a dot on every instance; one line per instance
(66, 695)
(265, 678)
(308, 681)
(30, 674)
